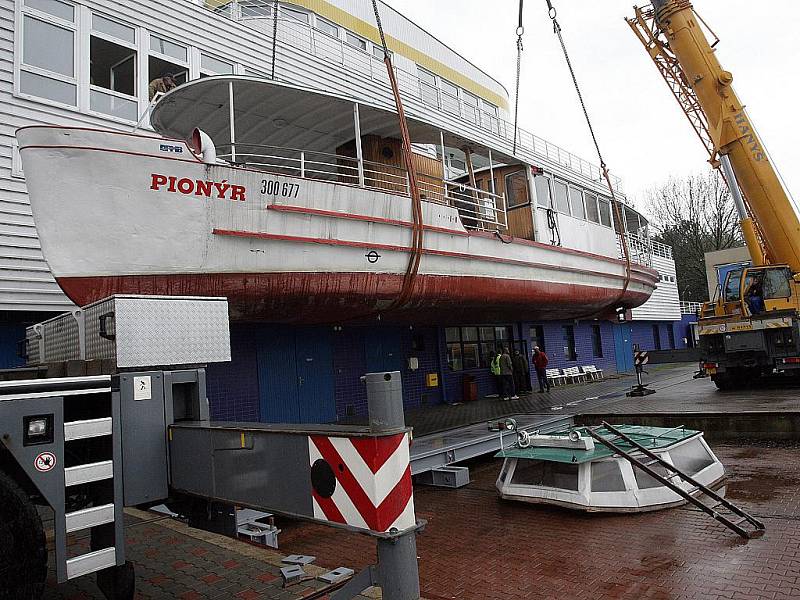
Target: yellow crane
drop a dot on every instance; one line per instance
(751, 329)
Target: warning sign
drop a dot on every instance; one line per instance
(45, 462)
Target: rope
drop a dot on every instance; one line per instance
(274, 34)
(551, 11)
(412, 268)
(520, 31)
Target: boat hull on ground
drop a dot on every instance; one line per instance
(125, 213)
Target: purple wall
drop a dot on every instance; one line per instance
(233, 392)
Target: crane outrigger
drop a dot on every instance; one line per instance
(751, 328)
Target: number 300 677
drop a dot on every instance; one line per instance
(273, 187)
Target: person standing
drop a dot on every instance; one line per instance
(522, 373)
(494, 367)
(507, 375)
(540, 361)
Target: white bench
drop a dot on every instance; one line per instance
(593, 372)
(574, 374)
(555, 376)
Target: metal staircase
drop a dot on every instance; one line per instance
(724, 511)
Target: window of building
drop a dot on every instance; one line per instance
(597, 341)
(450, 101)
(562, 201)
(355, 41)
(293, 13)
(605, 212)
(427, 82)
(543, 196)
(167, 58)
(470, 106)
(576, 203)
(250, 9)
(474, 346)
(592, 211)
(377, 51)
(47, 68)
(113, 69)
(326, 26)
(656, 337)
(210, 65)
(517, 189)
(569, 343)
(537, 337)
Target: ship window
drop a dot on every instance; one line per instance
(326, 26)
(62, 10)
(606, 477)
(592, 212)
(449, 97)
(214, 66)
(576, 203)
(167, 48)
(537, 336)
(545, 474)
(562, 202)
(645, 480)
(569, 343)
(597, 341)
(543, 197)
(605, 212)
(355, 41)
(517, 189)
(691, 457)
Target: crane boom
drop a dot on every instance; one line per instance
(677, 43)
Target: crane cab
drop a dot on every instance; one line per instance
(751, 291)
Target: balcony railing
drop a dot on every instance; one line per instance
(300, 35)
(478, 209)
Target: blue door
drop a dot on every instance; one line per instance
(382, 349)
(623, 347)
(315, 393)
(295, 376)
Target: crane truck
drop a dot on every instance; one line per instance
(750, 328)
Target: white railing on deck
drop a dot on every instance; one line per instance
(300, 35)
(478, 209)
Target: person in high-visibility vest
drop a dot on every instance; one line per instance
(494, 367)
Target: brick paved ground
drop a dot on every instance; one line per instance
(174, 561)
(477, 547)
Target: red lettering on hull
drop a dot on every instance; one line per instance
(221, 190)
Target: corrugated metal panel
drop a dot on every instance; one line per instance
(664, 304)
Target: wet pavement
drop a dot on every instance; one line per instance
(478, 547)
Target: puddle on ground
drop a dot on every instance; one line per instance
(757, 487)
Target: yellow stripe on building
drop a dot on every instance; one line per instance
(370, 32)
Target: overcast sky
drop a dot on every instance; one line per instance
(643, 133)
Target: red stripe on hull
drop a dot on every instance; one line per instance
(335, 297)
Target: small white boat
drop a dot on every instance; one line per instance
(568, 469)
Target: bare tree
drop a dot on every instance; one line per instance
(694, 215)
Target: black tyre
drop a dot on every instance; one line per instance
(724, 383)
(23, 550)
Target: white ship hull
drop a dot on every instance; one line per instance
(127, 213)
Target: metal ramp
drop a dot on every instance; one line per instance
(724, 511)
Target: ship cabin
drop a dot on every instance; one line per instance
(271, 126)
